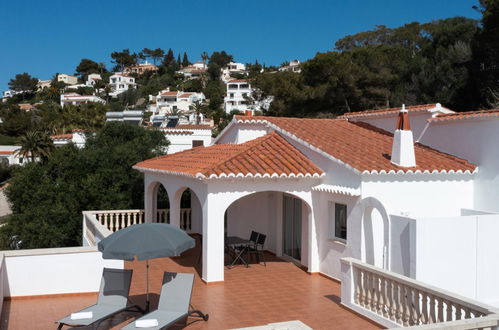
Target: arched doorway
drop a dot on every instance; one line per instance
(283, 218)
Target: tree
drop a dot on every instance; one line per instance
(185, 60)
(169, 58)
(16, 122)
(204, 57)
(87, 67)
(23, 83)
(154, 54)
(221, 58)
(48, 198)
(35, 144)
(123, 59)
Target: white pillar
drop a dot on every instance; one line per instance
(175, 210)
(313, 247)
(150, 201)
(213, 239)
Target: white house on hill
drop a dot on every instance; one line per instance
(325, 189)
(77, 136)
(76, 99)
(120, 83)
(239, 97)
(168, 101)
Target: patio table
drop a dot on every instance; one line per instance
(231, 242)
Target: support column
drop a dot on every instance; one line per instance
(175, 210)
(213, 239)
(150, 202)
(313, 247)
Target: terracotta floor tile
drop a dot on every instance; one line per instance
(249, 297)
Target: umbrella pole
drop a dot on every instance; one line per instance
(147, 286)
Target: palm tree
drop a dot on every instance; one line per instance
(35, 144)
(204, 57)
(199, 108)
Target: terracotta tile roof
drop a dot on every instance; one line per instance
(393, 111)
(359, 145)
(267, 156)
(480, 114)
(8, 152)
(169, 93)
(68, 136)
(186, 95)
(189, 126)
(238, 81)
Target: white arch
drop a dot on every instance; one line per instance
(362, 208)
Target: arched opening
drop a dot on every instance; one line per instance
(162, 205)
(283, 218)
(375, 237)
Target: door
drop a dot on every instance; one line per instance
(292, 227)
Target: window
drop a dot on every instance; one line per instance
(231, 95)
(197, 143)
(337, 221)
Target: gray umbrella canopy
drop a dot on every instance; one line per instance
(146, 241)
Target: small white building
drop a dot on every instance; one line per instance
(9, 156)
(293, 66)
(10, 93)
(194, 71)
(239, 97)
(92, 79)
(76, 99)
(77, 137)
(233, 68)
(133, 117)
(186, 136)
(43, 84)
(168, 101)
(67, 79)
(120, 83)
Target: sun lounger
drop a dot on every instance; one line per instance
(113, 299)
(173, 304)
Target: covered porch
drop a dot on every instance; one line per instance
(263, 185)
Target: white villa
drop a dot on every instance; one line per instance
(77, 137)
(9, 156)
(398, 204)
(120, 83)
(168, 101)
(193, 71)
(76, 99)
(327, 189)
(232, 68)
(293, 66)
(92, 79)
(239, 97)
(67, 79)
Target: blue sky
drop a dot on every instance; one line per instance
(45, 37)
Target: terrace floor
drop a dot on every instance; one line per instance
(251, 296)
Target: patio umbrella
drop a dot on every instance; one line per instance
(146, 241)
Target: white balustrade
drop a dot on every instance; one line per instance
(394, 300)
(99, 224)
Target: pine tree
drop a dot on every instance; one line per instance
(185, 60)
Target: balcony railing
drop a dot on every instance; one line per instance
(99, 224)
(395, 300)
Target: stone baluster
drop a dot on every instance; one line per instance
(123, 220)
(432, 318)
(358, 279)
(440, 310)
(458, 312)
(128, 220)
(448, 310)
(424, 308)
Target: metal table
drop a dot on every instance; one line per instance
(231, 242)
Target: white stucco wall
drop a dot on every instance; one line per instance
(418, 121)
(181, 142)
(54, 271)
(475, 141)
(240, 133)
(421, 195)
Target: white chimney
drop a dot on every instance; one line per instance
(403, 142)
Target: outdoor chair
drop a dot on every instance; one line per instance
(258, 248)
(113, 299)
(173, 306)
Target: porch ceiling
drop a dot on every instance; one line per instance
(268, 156)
